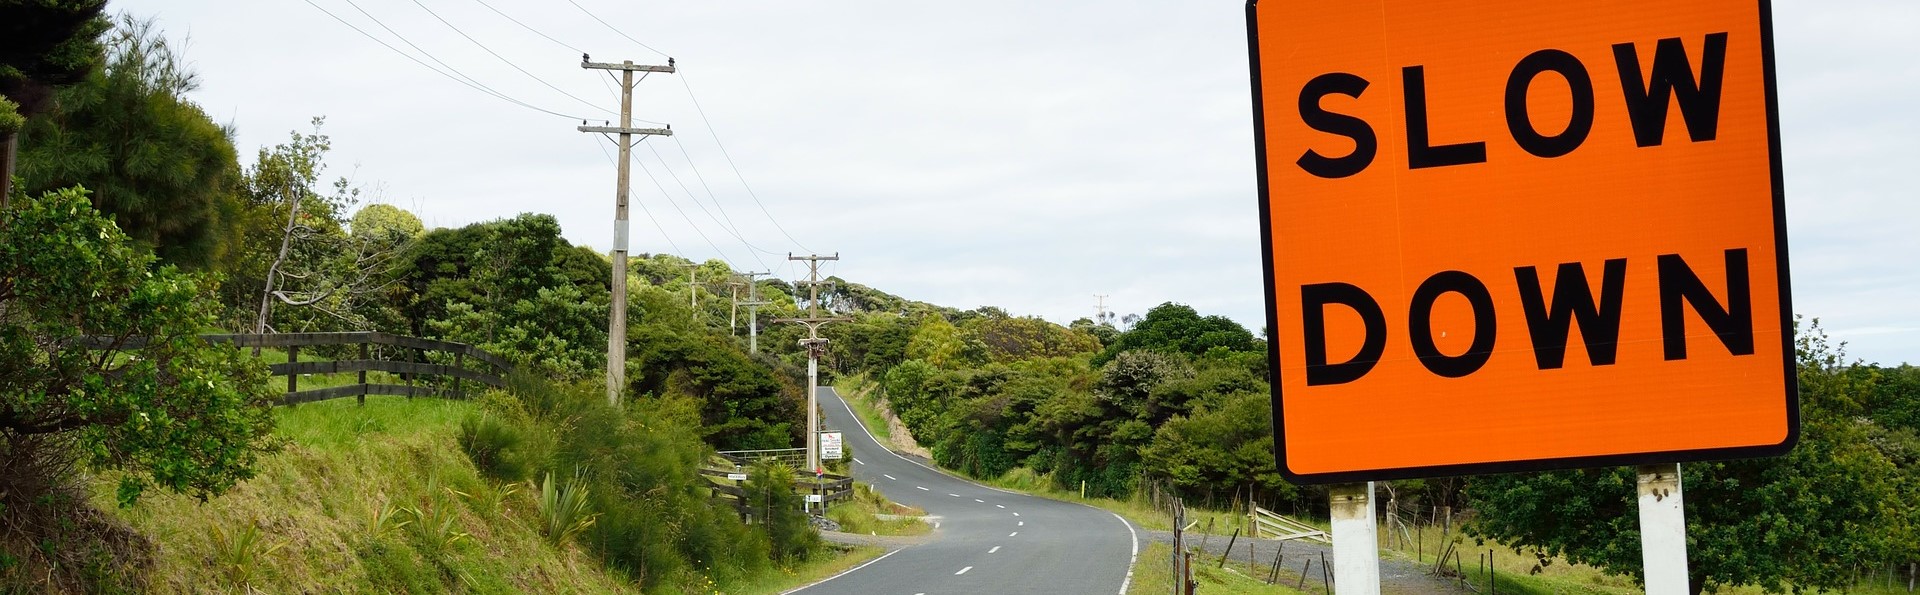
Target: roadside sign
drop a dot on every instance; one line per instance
(830, 446)
(736, 477)
(815, 499)
(1520, 235)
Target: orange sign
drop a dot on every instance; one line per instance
(1511, 235)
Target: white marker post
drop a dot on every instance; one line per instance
(1663, 530)
(1356, 540)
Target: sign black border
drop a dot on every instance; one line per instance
(1789, 364)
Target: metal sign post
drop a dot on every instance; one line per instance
(1663, 530)
(1356, 541)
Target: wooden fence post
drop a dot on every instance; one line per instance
(460, 362)
(293, 376)
(409, 375)
(363, 374)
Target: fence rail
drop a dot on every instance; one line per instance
(1274, 526)
(791, 457)
(491, 369)
(831, 488)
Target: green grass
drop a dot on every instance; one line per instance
(369, 499)
(862, 393)
(1513, 571)
(841, 559)
(378, 499)
(857, 515)
(1153, 574)
(1137, 508)
(318, 381)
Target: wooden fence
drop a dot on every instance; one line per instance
(451, 382)
(831, 488)
(444, 380)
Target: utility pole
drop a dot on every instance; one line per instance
(733, 313)
(1099, 308)
(693, 297)
(753, 305)
(617, 315)
(815, 346)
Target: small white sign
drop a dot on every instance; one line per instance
(736, 477)
(831, 446)
(814, 499)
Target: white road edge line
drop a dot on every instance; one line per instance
(848, 571)
(1135, 557)
(963, 571)
(995, 549)
(870, 436)
(1131, 559)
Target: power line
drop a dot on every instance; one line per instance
(616, 30)
(736, 168)
(469, 82)
(643, 206)
(734, 231)
(703, 185)
(710, 130)
(503, 59)
(524, 26)
(683, 212)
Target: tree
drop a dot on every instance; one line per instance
(944, 345)
(174, 412)
(1220, 449)
(153, 160)
(1009, 338)
(306, 259)
(1174, 327)
(1778, 523)
(385, 225)
(43, 44)
(743, 403)
(509, 286)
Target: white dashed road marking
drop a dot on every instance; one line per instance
(922, 488)
(999, 506)
(857, 460)
(995, 549)
(890, 477)
(1013, 534)
(979, 500)
(963, 571)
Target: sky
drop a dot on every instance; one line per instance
(1026, 155)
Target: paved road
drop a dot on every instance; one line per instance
(987, 540)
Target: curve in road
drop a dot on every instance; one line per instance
(986, 540)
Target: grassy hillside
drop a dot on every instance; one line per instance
(373, 499)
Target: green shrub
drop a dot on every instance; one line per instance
(239, 552)
(770, 495)
(636, 469)
(494, 446)
(563, 508)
